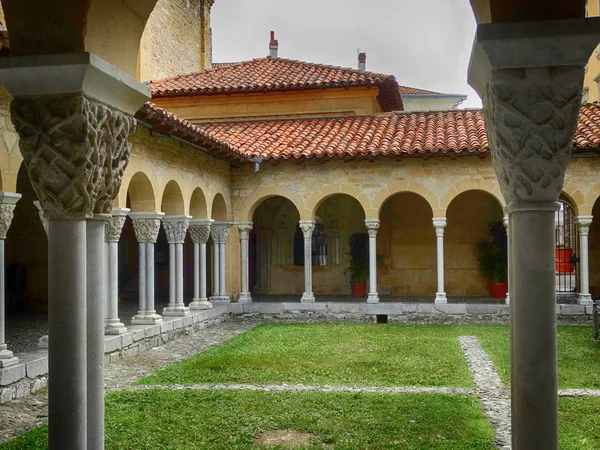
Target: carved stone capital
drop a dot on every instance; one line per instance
(372, 226)
(583, 224)
(146, 226)
(439, 223)
(75, 151)
(200, 230)
(307, 227)
(245, 229)
(176, 228)
(114, 226)
(219, 232)
(8, 202)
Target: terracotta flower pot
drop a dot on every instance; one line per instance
(359, 289)
(498, 290)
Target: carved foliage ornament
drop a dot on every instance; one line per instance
(199, 233)
(531, 117)
(219, 233)
(6, 217)
(307, 228)
(176, 231)
(113, 228)
(75, 151)
(146, 230)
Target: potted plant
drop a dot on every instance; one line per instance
(358, 269)
(492, 256)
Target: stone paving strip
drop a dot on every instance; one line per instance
(579, 393)
(299, 388)
(493, 396)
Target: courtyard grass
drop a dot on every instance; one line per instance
(579, 420)
(329, 354)
(217, 420)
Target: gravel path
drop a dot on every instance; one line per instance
(494, 398)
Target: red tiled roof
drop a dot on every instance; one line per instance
(275, 74)
(411, 91)
(400, 134)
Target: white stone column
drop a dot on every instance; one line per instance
(307, 227)
(146, 226)
(372, 226)
(530, 76)
(439, 223)
(176, 229)
(583, 227)
(200, 232)
(506, 223)
(220, 232)
(113, 230)
(215, 268)
(245, 228)
(8, 202)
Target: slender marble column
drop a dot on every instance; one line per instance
(8, 202)
(373, 226)
(245, 228)
(531, 94)
(307, 227)
(200, 232)
(583, 226)
(506, 223)
(215, 268)
(220, 232)
(439, 223)
(146, 226)
(114, 227)
(176, 229)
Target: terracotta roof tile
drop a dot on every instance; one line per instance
(275, 74)
(416, 91)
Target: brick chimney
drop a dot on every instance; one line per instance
(273, 46)
(362, 61)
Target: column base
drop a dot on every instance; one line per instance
(7, 358)
(307, 297)
(146, 318)
(507, 299)
(440, 298)
(373, 297)
(245, 297)
(43, 342)
(114, 327)
(176, 311)
(200, 304)
(585, 299)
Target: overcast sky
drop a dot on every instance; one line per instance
(425, 44)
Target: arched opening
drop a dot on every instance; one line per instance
(26, 270)
(172, 200)
(594, 251)
(470, 216)
(271, 249)
(567, 251)
(219, 209)
(140, 193)
(337, 218)
(198, 208)
(406, 243)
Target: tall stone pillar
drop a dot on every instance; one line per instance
(200, 232)
(146, 226)
(219, 233)
(372, 226)
(439, 223)
(8, 202)
(506, 223)
(215, 267)
(583, 227)
(176, 229)
(73, 117)
(307, 227)
(114, 227)
(245, 228)
(530, 76)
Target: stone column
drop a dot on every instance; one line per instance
(372, 226)
(73, 117)
(8, 202)
(220, 232)
(307, 227)
(113, 230)
(200, 232)
(146, 226)
(506, 223)
(215, 268)
(583, 227)
(176, 230)
(530, 76)
(43, 341)
(245, 228)
(439, 223)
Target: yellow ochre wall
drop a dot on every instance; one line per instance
(592, 74)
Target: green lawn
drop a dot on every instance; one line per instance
(329, 354)
(165, 420)
(579, 423)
